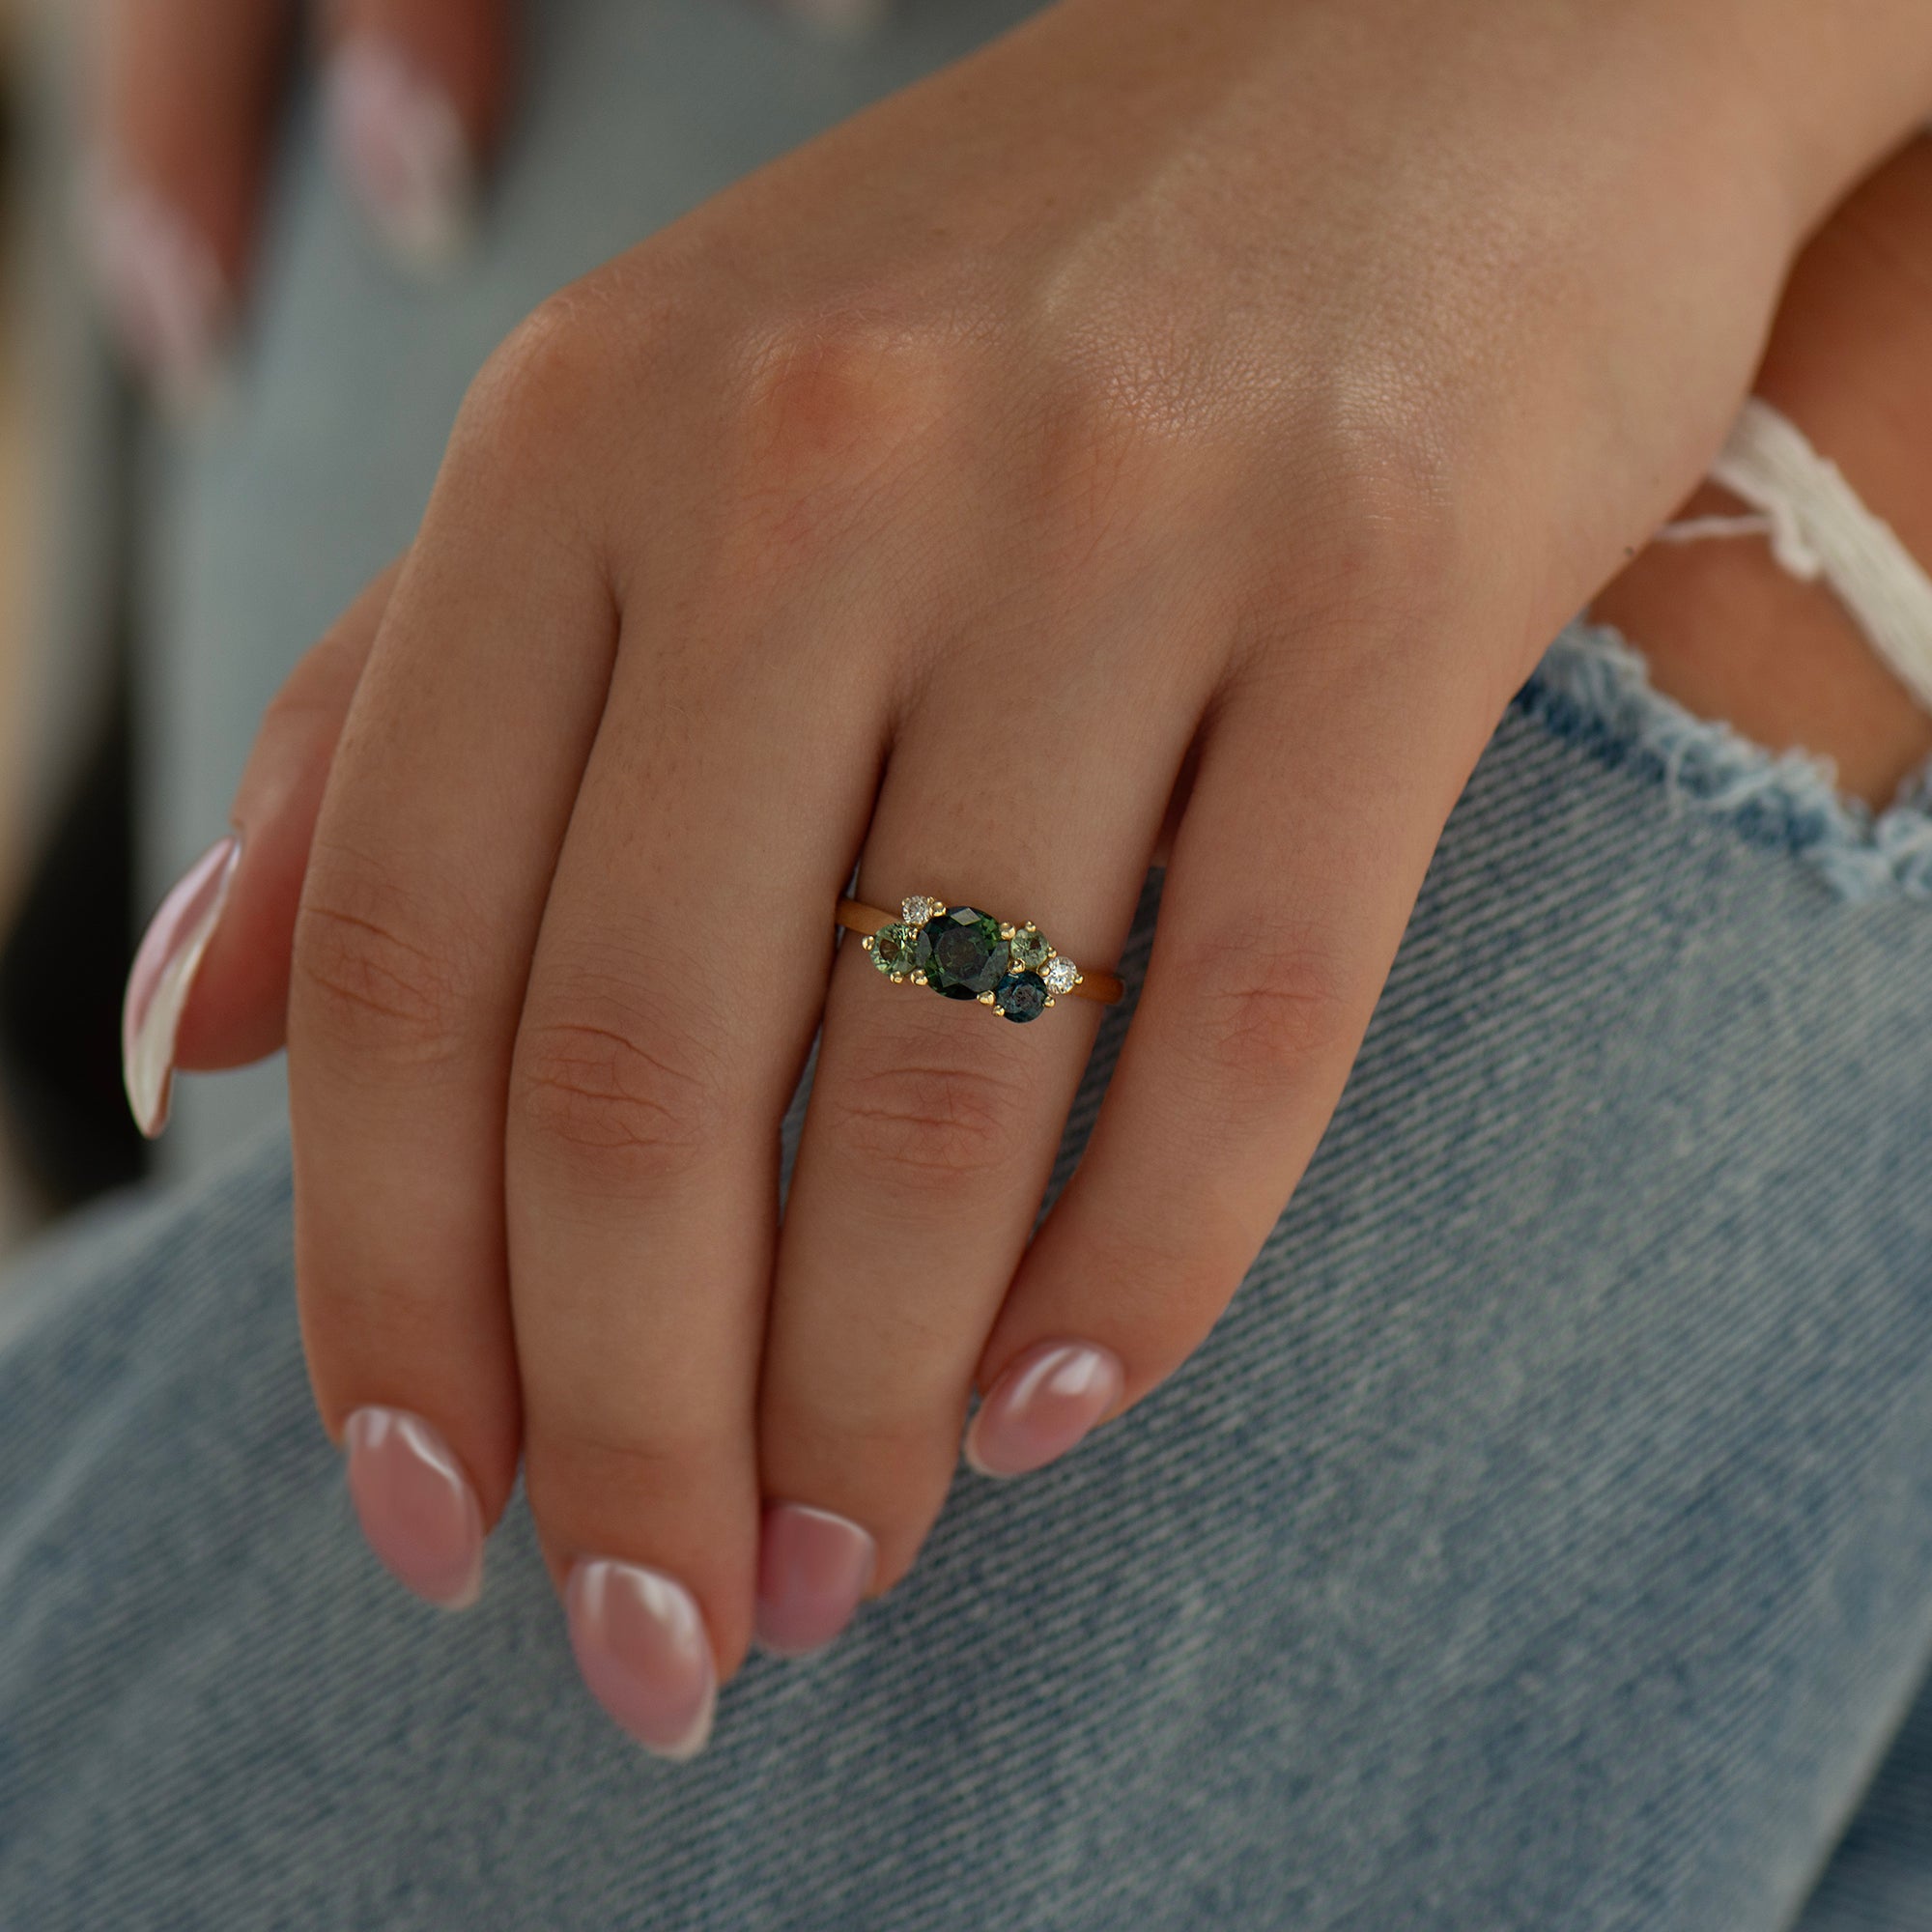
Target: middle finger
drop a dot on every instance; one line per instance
(677, 977)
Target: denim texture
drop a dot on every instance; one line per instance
(1543, 1540)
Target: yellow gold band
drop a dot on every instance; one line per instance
(1020, 971)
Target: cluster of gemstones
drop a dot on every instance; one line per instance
(966, 955)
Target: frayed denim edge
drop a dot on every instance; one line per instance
(1593, 687)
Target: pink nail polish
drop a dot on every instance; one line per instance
(402, 149)
(417, 1507)
(163, 977)
(813, 1568)
(162, 289)
(1041, 1406)
(644, 1652)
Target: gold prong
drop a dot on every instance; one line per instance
(918, 980)
(899, 979)
(985, 999)
(1049, 999)
(1009, 932)
(866, 944)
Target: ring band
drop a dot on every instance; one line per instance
(968, 955)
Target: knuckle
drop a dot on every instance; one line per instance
(555, 360)
(886, 1451)
(615, 1086)
(933, 1125)
(838, 417)
(1375, 518)
(1266, 1012)
(586, 1463)
(832, 386)
(366, 975)
(546, 410)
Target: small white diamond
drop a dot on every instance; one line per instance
(1060, 973)
(918, 909)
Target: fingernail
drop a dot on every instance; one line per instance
(162, 977)
(162, 289)
(415, 1505)
(1041, 1406)
(402, 149)
(838, 17)
(813, 1568)
(642, 1649)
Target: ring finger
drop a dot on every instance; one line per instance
(933, 1122)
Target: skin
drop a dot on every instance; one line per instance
(1728, 633)
(1192, 417)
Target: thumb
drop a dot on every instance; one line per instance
(210, 985)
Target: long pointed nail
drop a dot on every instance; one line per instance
(163, 977)
(415, 1505)
(814, 1569)
(1044, 1404)
(163, 292)
(644, 1652)
(402, 149)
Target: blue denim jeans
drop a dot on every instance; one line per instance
(1543, 1540)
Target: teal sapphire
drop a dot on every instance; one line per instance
(1030, 948)
(960, 953)
(1020, 996)
(892, 950)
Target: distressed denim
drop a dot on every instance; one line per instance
(1543, 1540)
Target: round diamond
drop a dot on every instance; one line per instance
(1020, 996)
(892, 950)
(1059, 975)
(960, 953)
(918, 909)
(1030, 948)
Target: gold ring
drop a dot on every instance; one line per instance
(965, 954)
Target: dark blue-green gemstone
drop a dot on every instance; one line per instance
(960, 953)
(1020, 996)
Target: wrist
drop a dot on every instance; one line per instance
(1818, 94)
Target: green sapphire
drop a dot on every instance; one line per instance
(892, 949)
(960, 953)
(1030, 948)
(1020, 997)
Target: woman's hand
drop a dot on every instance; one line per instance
(1196, 416)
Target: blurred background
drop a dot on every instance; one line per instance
(65, 878)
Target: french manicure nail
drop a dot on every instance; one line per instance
(163, 292)
(1041, 1406)
(417, 1507)
(399, 143)
(163, 977)
(813, 1568)
(644, 1652)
